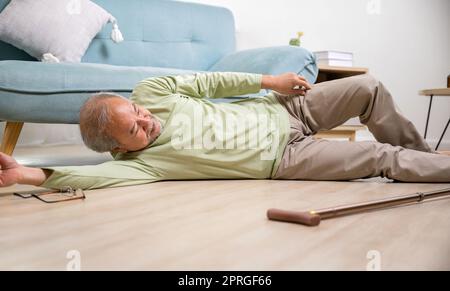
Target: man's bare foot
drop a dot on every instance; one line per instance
(447, 153)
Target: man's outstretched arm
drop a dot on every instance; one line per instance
(216, 85)
(109, 174)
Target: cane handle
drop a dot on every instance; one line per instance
(306, 218)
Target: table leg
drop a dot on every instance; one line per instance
(442, 136)
(428, 117)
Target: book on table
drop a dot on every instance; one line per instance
(334, 58)
(335, 55)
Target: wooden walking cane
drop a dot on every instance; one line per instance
(313, 217)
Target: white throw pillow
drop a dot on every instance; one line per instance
(54, 30)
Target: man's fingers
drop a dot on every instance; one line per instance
(6, 161)
(302, 85)
(3, 157)
(298, 91)
(298, 87)
(306, 85)
(301, 82)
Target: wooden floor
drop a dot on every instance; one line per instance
(221, 225)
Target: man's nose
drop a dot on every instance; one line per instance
(144, 122)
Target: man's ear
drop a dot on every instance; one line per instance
(119, 150)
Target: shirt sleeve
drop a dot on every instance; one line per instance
(199, 85)
(108, 174)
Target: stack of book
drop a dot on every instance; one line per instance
(334, 58)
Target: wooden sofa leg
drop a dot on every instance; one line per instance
(10, 137)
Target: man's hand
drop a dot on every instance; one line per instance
(288, 83)
(12, 173)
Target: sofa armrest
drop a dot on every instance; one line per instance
(270, 61)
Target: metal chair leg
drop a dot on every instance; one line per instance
(442, 136)
(428, 117)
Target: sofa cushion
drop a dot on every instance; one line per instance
(62, 28)
(22, 76)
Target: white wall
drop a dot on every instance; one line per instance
(405, 43)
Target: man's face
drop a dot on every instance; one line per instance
(133, 126)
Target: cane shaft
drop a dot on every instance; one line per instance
(313, 218)
(380, 204)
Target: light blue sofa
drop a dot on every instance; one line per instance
(161, 38)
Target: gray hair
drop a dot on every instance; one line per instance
(95, 118)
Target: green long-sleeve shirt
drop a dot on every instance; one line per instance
(199, 139)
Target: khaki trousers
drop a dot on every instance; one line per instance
(400, 152)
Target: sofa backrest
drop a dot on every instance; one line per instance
(160, 33)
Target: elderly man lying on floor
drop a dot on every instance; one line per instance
(169, 130)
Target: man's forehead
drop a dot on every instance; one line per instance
(120, 113)
(120, 105)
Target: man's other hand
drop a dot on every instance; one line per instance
(10, 171)
(288, 84)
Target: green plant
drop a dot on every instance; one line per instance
(297, 40)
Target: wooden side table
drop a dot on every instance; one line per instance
(328, 73)
(343, 131)
(435, 92)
